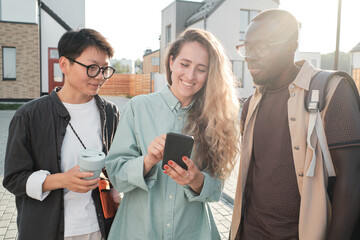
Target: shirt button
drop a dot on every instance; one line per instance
(170, 196)
(292, 94)
(292, 86)
(293, 119)
(168, 224)
(172, 106)
(301, 174)
(179, 118)
(296, 148)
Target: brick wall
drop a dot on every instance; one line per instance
(25, 38)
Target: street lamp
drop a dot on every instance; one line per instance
(336, 60)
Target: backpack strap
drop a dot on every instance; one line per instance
(315, 101)
(320, 81)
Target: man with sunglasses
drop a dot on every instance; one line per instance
(46, 135)
(276, 197)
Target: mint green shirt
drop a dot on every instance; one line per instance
(156, 207)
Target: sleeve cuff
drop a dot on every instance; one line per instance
(127, 175)
(136, 176)
(34, 185)
(210, 192)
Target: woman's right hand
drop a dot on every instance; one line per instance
(155, 153)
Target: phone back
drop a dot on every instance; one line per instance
(176, 146)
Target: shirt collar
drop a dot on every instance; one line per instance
(305, 74)
(172, 101)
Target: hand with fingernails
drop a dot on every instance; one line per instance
(191, 177)
(155, 153)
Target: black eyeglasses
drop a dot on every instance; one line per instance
(93, 70)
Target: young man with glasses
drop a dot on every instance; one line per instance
(46, 135)
(276, 198)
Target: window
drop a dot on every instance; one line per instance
(58, 75)
(9, 63)
(168, 35)
(155, 61)
(245, 17)
(238, 70)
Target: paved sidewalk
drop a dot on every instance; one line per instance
(221, 210)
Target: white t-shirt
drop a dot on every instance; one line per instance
(79, 208)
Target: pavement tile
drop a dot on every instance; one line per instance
(12, 226)
(4, 223)
(10, 234)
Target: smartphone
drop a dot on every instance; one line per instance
(176, 146)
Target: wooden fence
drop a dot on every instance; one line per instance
(128, 85)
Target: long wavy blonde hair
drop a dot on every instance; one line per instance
(213, 119)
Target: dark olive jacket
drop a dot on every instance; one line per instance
(36, 133)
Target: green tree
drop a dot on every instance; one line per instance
(138, 66)
(327, 61)
(119, 68)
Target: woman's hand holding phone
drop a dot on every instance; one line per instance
(191, 177)
(155, 153)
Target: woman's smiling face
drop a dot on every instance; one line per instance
(189, 71)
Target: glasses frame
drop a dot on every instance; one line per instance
(238, 48)
(101, 69)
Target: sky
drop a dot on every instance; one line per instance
(132, 26)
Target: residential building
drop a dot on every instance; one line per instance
(19, 42)
(151, 65)
(355, 64)
(173, 22)
(56, 17)
(313, 57)
(29, 33)
(151, 61)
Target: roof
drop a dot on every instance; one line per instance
(206, 9)
(149, 52)
(356, 48)
(55, 16)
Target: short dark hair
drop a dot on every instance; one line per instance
(73, 43)
(288, 25)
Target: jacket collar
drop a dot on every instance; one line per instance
(58, 104)
(303, 79)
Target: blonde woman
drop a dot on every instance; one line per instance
(199, 101)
